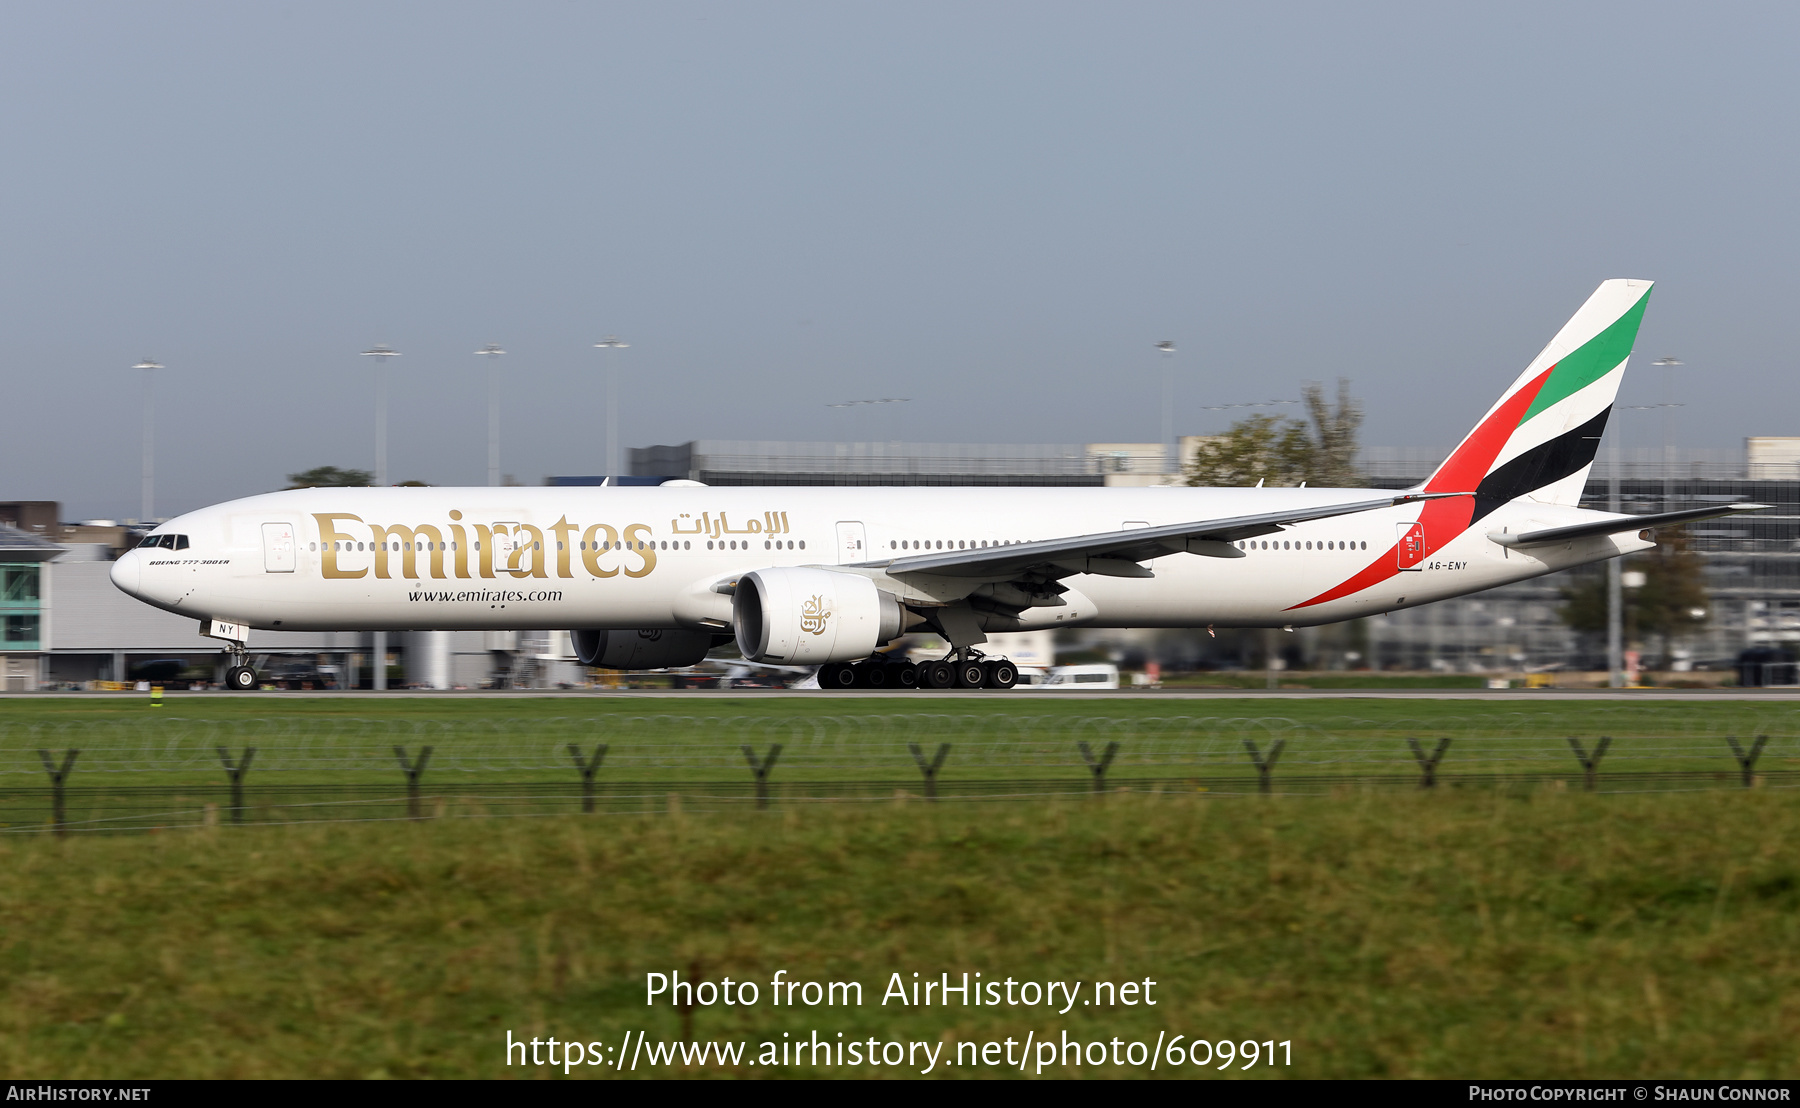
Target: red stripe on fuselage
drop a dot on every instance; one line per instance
(1443, 520)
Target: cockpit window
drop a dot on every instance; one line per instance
(181, 542)
(166, 542)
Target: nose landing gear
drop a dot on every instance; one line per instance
(241, 677)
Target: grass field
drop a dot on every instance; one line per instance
(1381, 933)
(336, 757)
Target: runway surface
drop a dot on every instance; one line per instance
(1689, 696)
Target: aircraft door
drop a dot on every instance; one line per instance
(850, 544)
(280, 552)
(1412, 544)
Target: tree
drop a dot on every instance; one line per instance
(329, 477)
(1261, 448)
(1333, 460)
(1280, 451)
(324, 477)
(1672, 600)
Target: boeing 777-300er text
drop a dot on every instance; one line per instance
(656, 576)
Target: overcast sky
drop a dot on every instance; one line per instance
(993, 209)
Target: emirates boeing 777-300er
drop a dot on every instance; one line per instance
(656, 576)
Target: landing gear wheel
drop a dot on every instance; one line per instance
(240, 679)
(1001, 674)
(837, 675)
(936, 675)
(875, 675)
(903, 675)
(970, 675)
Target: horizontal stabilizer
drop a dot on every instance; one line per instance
(1617, 524)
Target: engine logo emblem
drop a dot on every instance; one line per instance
(813, 615)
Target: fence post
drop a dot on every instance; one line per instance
(1098, 768)
(236, 773)
(57, 777)
(1264, 765)
(1428, 763)
(929, 769)
(761, 770)
(413, 770)
(1747, 761)
(1590, 764)
(586, 767)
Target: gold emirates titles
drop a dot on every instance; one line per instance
(525, 549)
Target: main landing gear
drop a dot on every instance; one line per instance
(969, 672)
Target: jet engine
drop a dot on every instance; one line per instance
(640, 649)
(799, 616)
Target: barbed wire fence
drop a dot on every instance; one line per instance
(69, 775)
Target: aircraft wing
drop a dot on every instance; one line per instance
(1116, 553)
(1617, 524)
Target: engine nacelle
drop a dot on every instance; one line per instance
(812, 616)
(640, 649)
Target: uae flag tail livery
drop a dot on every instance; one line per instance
(1536, 443)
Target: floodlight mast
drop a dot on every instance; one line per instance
(381, 353)
(612, 345)
(1668, 365)
(1615, 594)
(1170, 461)
(492, 351)
(149, 366)
(1615, 600)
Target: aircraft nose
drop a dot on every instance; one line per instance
(127, 572)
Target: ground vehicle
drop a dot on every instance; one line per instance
(1081, 678)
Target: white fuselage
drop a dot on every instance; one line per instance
(649, 557)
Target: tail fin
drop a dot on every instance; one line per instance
(1540, 438)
